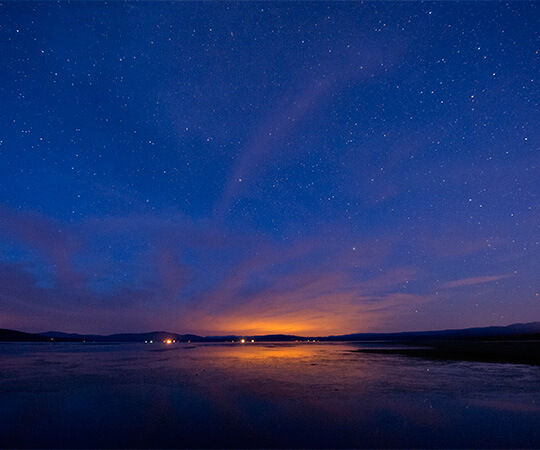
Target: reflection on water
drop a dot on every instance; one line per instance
(259, 395)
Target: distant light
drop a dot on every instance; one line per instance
(168, 341)
(151, 342)
(242, 341)
(146, 342)
(253, 340)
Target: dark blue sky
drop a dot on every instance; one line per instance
(256, 167)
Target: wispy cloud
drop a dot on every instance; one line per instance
(474, 280)
(148, 272)
(53, 240)
(294, 109)
(187, 276)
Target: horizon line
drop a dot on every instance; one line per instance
(280, 334)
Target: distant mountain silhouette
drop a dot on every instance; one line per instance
(160, 336)
(519, 331)
(19, 336)
(156, 336)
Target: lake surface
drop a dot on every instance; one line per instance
(290, 395)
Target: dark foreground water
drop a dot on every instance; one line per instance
(259, 396)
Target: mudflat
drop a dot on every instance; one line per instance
(514, 352)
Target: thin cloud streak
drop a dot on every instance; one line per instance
(475, 280)
(291, 114)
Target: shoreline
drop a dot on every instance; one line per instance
(505, 352)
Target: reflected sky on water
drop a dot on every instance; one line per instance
(292, 395)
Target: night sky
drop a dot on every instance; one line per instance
(298, 167)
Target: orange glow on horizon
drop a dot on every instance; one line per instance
(304, 326)
(335, 316)
(321, 315)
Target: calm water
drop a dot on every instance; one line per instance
(259, 395)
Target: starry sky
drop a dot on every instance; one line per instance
(253, 167)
